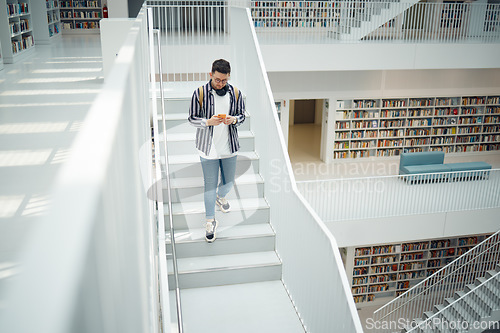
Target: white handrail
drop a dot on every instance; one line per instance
(442, 284)
(158, 189)
(372, 197)
(306, 247)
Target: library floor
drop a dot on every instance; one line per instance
(43, 102)
(304, 141)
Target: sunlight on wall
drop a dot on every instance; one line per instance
(28, 127)
(67, 70)
(49, 92)
(9, 204)
(36, 206)
(8, 269)
(14, 158)
(44, 104)
(57, 80)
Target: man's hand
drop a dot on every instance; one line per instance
(214, 121)
(229, 120)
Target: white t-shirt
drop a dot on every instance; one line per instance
(220, 139)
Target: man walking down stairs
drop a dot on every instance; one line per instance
(233, 284)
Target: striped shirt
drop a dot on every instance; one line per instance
(198, 118)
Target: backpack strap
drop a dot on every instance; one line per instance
(236, 93)
(200, 98)
(200, 93)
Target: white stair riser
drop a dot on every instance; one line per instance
(174, 106)
(225, 277)
(183, 126)
(188, 146)
(185, 170)
(223, 246)
(241, 191)
(235, 217)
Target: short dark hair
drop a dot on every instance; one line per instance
(221, 66)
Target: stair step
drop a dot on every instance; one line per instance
(192, 189)
(191, 215)
(184, 143)
(465, 312)
(188, 165)
(261, 307)
(207, 271)
(230, 240)
(473, 303)
(178, 122)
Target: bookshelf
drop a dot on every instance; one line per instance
(16, 34)
(389, 126)
(294, 14)
(46, 20)
(381, 272)
(80, 16)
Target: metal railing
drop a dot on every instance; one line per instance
(374, 197)
(318, 288)
(189, 30)
(472, 312)
(375, 21)
(442, 284)
(162, 252)
(90, 264)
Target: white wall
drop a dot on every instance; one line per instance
(375, 56)
(117, 8)
(414, 227)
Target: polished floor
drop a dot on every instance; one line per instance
(43, 103)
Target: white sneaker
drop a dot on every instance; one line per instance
(223, 204)
(210, 229)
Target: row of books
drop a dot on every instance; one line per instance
(473, 100)
(390, 143)
(81, 25)
(53, 30)
(17, 8)
(414, 246)
(293, 4)
(394, 103)
(51, 4)
(364, 298)
(362, 149)
(419, 102)
(360, 114)
(362, 144)
(294, 24)
(87, 15)
(52, 17)
(292, 13)
(20, 45)
(79, 4)
(388, 152)
(412, 256)
(416, 113)
(442, 141)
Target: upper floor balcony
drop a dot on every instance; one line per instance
(351, 35)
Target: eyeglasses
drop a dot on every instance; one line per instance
(220, 81)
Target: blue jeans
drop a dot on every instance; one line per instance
(211, 168)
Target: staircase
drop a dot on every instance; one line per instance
(362, 18)
(241, 267)
(476, 307)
